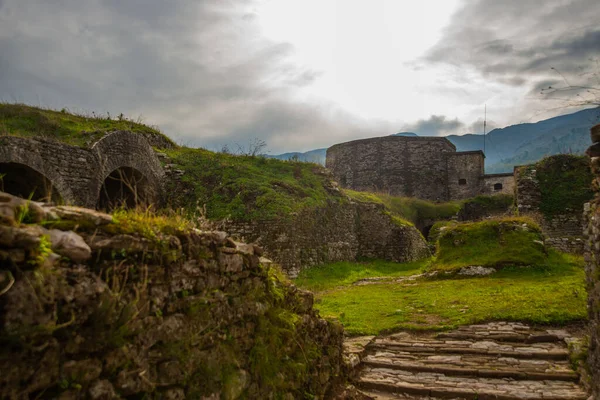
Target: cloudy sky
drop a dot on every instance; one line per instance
(300, 74)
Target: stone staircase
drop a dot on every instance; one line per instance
(502, 361)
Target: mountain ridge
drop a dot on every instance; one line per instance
(509, 146)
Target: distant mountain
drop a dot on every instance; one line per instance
(514, 145)
(526, 143)
(316, 156)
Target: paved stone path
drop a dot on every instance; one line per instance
(501, 361)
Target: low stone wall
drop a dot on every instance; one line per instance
(592, 255)
(127, 309)
(338, 232)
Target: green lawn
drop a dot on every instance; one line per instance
(553, 293)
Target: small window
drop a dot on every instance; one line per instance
(497, 186)
(462, 181)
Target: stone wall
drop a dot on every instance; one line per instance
(592, 256)
(465, 174)
(338, 232)
(77, 173)
(154, 311)
(423, 167)
(405, 166)
(564, 230)
(490, 182)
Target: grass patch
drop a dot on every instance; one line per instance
(408, 208)
(247, 188)
(552, 293)
(345, 273)
(490, 243)
(79, 130)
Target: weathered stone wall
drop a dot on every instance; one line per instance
(592, 256)
(506, 180)
(78, 173)
(157, 313)
(465, 174)
(564, 231)
(338, 232)
(404, 166)
(422, 167)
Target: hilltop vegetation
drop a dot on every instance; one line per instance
(246, 188)
(65, 126)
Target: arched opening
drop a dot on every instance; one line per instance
(23, 181)
(124, 187)
(426, 231)
(497, 186)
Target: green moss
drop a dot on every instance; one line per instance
(551, 293)
(565, 183)
(497, 202)
(27, 121)
(491, 243)
(246, 188)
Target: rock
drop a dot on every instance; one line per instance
(174, 394)
(12, 206)
(476, 270)
(593, 150)
(235, 385)
(83, 215)
(83, 371)
(71, 245)
(102, 390)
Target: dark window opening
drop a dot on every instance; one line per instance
(462, 181)
(497, 186)
(124, 187)
(23, 181)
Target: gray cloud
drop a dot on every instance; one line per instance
(518, 42)
(198, 69)
(436, 125)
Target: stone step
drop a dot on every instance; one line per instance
(437, 385)
(474, 365)
(543, 351)
(506, 332)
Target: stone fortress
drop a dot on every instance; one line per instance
(428, 168)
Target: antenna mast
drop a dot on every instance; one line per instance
(484, 126)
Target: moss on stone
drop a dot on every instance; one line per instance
(565, 183)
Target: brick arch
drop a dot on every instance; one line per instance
(127, 151)
(22, 155)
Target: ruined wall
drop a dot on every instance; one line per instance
(78, 173)
(465, 174)
(137, 309)
(592, 256)
(404, 166)
(338, 232)
(506, 180)
(562, 224)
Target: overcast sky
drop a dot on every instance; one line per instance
(299, 74)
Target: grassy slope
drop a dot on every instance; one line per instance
(28, 121)
(419, 211)
(552, 293)
(490, 243)
(248, 188)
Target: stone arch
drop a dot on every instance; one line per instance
(126, 159)
(125, 187)
(24, 181)
(27, 172)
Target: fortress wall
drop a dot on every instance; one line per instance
(506, 180)
(339, 232)
(403, 166)
(465, 174)
(592, 257)
(78, 173)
